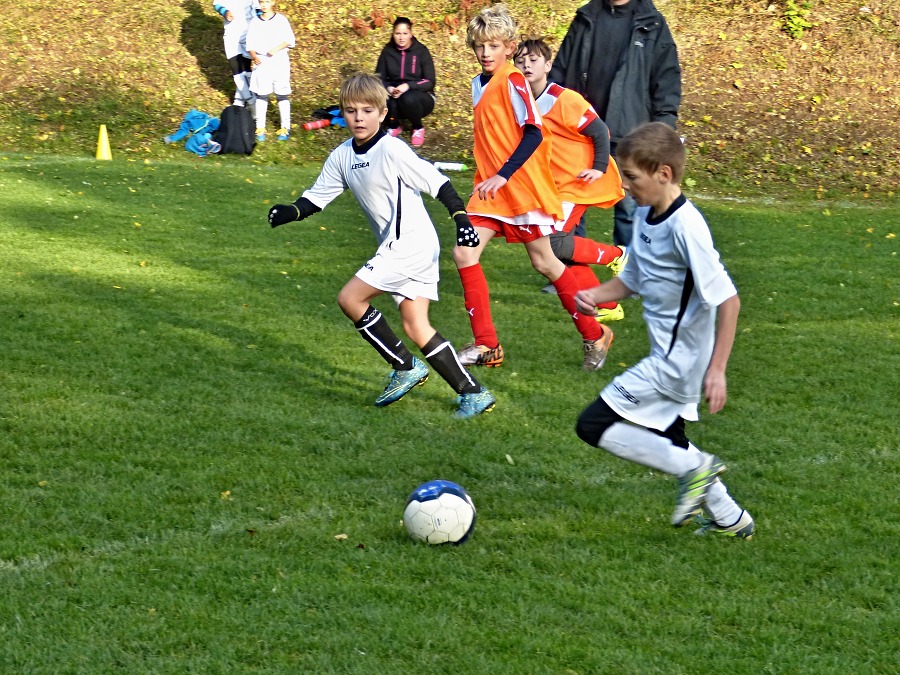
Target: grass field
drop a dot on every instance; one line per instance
(186, 425)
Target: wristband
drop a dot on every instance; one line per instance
(459, 213)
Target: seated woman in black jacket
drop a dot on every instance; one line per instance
(407, 70)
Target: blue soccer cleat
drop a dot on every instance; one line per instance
(474, 404)
(401, 381)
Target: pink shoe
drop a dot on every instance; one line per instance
(418, 137)
(396, 131)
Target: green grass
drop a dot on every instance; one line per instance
(186, 424)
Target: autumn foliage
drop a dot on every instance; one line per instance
(777, 95)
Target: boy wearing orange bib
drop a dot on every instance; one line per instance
(515, 195)
(584, 172)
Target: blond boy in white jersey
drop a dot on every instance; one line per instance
(387, 178)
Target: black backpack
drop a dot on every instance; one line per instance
(237, 131)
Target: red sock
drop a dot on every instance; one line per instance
(477, 297)
(585, 276)
(566, 287)
(608, 305)
(590, 252)
(587, 279)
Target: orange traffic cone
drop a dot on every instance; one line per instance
(103, 151)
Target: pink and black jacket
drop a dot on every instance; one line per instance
(413, 65)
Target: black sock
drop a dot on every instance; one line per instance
(375, 330)
(442, 357)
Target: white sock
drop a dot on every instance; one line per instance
(720, 506)
(241, 90)
(284, 110)
(262, 107)
(640, 445)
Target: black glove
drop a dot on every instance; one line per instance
(283, 213)
(465, 233)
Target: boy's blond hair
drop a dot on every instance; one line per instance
(363, 88)
(651, 146)
(491, 23)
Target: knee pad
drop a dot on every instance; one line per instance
(563, 246)
(675, 433)
(594, 420)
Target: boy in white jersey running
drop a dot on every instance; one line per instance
(387, 177)
(673, 265)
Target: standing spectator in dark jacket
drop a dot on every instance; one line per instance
(620, 55)
(407, 70)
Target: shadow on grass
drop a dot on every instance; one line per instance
(201, 35)
(206, 355)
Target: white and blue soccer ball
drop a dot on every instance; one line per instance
(439, 512)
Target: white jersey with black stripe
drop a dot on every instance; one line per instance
(676, 269)
(387, 179)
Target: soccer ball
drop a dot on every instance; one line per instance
(439, 512)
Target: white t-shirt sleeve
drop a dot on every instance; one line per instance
(255, 36)
(330, 183)
(285, 32)
(711, 281)
(629, 275)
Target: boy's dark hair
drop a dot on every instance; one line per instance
(402, 19)
(363, 88)
(534, 46)
(651, 146)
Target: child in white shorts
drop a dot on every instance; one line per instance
(237, 15)
(691, 308)
(387, 179)
(268, 39)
